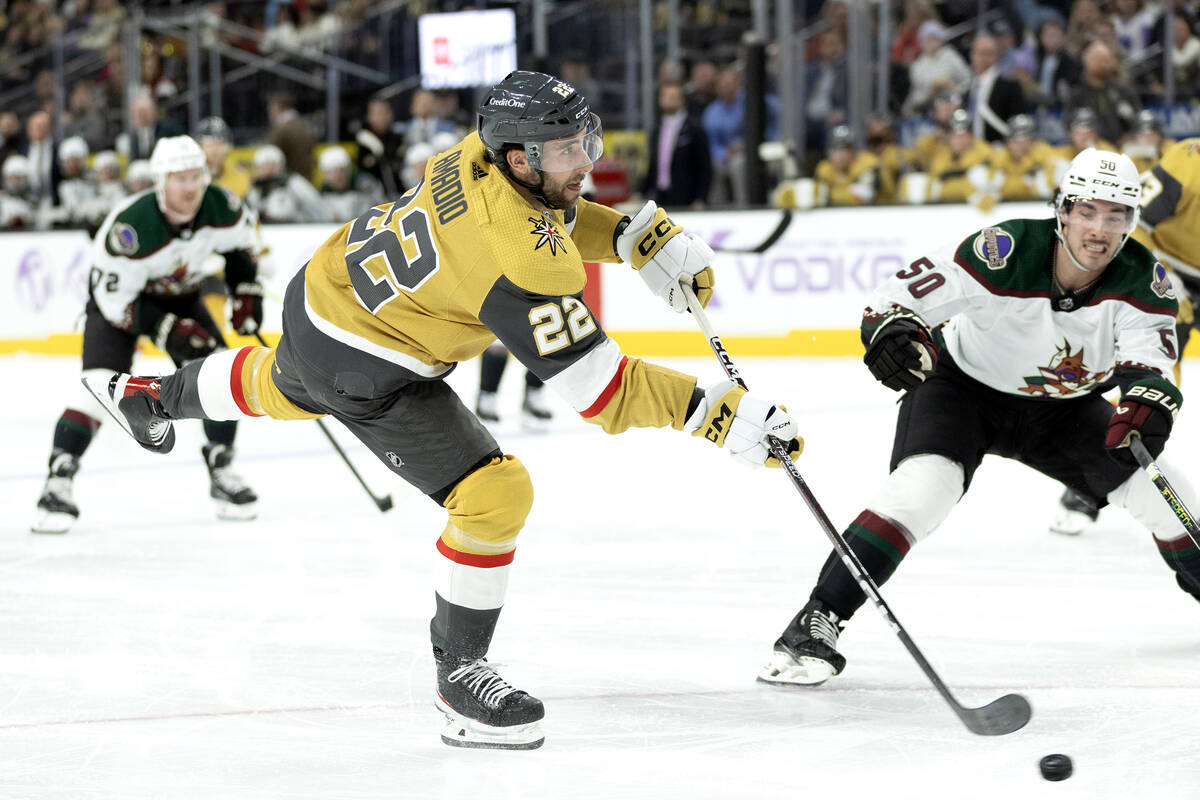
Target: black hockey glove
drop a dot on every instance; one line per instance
(183, 338)
(901, 353)
(247, 313)
(1147, 410)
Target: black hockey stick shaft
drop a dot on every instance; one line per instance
(1003, 715)
(780, 227)
(1164, 487)
(383, 503)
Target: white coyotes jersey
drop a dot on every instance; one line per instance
(1005, 329)
(137, 251)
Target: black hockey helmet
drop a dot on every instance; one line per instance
(1147, 120)
(840, 138)
(1083, 118)
(212, 128)
(528, 109)
(1022, 125)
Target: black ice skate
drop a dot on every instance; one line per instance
(535, 412)
(806, 652)
(235, 500)
(135, 404)
(1076, 511)
(482, 709)
(57, 511)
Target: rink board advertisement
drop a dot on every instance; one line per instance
(803, 296)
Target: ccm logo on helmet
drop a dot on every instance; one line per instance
(646, 243)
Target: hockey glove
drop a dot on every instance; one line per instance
(1147, 410)
(741, 423)
(651, 245)
(183, 338)
(901, 353)
(246, 313)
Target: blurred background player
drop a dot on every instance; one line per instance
(847, 176)
(77, 190)
(18, 211)
(139, 176)
(340, 199)
(1081, 134)
(215, 140)
(145, 280)
(280, 196)
(1146, 144)
(893, 159)
(959, 171)
(1024, 165)
(535, 410)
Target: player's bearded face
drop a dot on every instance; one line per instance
(562, 189)
(183, 193)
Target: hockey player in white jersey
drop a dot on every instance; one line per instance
(77, 190)
(146, 264)
(17, 209)
(1003, 344)
(344, 195)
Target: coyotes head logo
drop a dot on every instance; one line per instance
(1066, 375)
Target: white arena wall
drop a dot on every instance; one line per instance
(802, 297)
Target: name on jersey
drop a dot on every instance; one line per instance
(446, 186)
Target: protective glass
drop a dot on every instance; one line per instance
(1110, 219)
(571, 153)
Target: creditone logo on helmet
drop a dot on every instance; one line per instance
(994, 246)
(509, 102)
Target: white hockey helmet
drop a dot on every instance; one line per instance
(333, 158)
(72, 147)
(139, 172)
(106, 159)
(15, 165)
(175, 154)
(269, 154)
(443, 141)
(1100, 175)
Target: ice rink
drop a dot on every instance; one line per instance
(156, 652)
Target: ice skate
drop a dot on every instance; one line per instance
(135, 404)
(1076, 511)
(806, 653)
(57, 511)
(487, 407)
(535, 413)
(235, 500)
(483, 710)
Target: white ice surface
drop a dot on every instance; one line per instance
(156, 652)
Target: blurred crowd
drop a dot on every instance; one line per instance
(288, 178)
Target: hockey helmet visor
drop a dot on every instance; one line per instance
(571, 152)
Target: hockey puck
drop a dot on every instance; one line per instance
(1056, 767)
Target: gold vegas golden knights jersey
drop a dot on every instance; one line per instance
(1028, 178)
(462, 259)
(858, 185)
(1170, 219)
(948, 181)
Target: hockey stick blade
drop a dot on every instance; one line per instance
(767, 243)
(1004, 715)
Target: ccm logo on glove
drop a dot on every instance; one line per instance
(647, 244)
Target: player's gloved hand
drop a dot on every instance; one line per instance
(1148, 411)
(246, 313)
(741, 423)
(183, 338)
(901, 353)
(651, 244)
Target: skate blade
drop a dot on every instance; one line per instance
(55, 522)
(784, 670)
(100, 392)
(236, 513)
(462, 731)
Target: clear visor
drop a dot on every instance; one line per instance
(1112, 218)
(572, 153)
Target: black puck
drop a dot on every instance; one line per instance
(1056, 767)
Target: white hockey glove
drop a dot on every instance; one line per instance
(650, 244)
(741, 423)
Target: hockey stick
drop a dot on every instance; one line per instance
(383, 503)
(1001, 716)
(1164, 487)
(775, 236)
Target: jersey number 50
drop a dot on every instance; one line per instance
(381, 240)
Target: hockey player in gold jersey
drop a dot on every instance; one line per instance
(490, 245)
(1024, 164)
(847, 176)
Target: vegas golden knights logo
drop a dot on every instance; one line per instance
(716, 428)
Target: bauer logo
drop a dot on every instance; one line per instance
(993, 246)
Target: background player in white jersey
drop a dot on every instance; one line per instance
(490, 245)
(145, 280)
(1003, 344)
